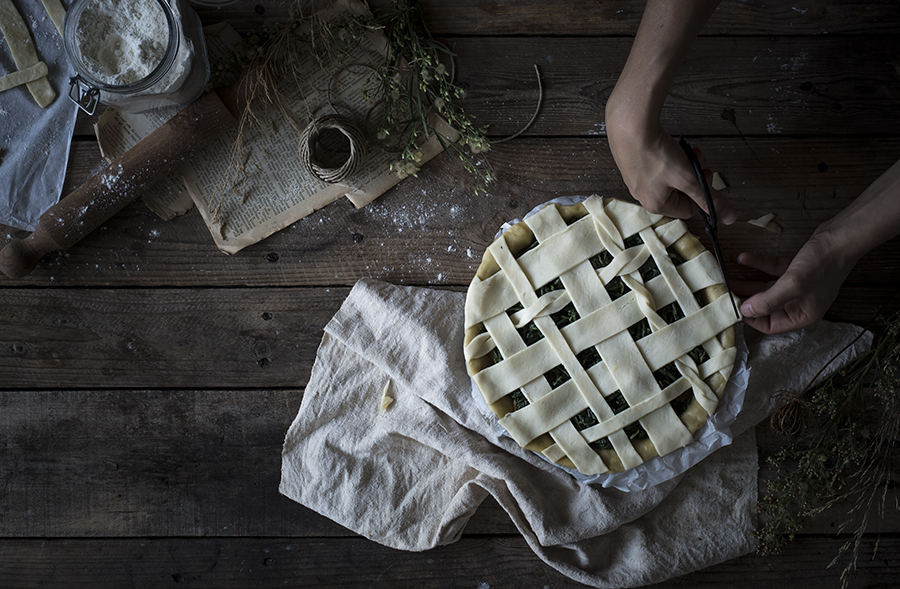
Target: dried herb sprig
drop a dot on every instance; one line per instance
(838, 455)
(417, 79)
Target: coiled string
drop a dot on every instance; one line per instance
(313, 151)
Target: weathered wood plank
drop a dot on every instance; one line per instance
(482, 562)
(161, 338)
(433, 230)
(615, 17)
(620, 17)
(822, 86)
(132, 463)
(807, 85)
(200, 338)
(147, 463)
(864, 305)
(157, 463)
(142, 421)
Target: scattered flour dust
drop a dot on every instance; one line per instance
(426, 212)
(419, 215)
(112, 177)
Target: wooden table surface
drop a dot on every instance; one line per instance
(147, 380)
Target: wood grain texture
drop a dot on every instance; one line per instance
(355, 563)
(147, 380)
(133, 463)
(194, 463)
(162, 337)
(775, 85)
(205, 338)
(608, 18)
(433, 229)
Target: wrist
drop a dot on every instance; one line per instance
(841, 245)
(872, 219)
(629, 117)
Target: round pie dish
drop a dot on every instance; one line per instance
(599, 334)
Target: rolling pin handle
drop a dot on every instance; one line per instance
(119, 183)
(19, 257)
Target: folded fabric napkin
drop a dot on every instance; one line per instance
(410, 476)
(34, 141)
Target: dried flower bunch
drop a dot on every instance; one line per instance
(417, 78)
(842, 449)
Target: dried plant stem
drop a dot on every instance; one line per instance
(847, 456)
(787, 420)
(537, 109)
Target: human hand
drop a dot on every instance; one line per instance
(657, 171)
(806, 287)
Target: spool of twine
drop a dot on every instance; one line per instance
(311, 149)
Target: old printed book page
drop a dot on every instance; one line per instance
(244, 196)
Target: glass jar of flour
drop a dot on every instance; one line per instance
(135, 55)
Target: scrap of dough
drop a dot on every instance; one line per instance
(767, 223)
(29, 74)
(22, 48)
(717, 182)
(386, 398)
(57, 13)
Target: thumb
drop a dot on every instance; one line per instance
(784, 290)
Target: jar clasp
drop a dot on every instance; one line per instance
(83, 94)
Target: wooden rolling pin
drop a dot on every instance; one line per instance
(124, 180)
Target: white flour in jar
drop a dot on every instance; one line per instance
(122, 41)
(181, 68)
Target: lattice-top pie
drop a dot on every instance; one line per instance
(600, 334)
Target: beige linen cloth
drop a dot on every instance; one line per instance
(411, 476)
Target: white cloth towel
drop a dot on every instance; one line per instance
(412, 475)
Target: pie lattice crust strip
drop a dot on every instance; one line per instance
(24, 55)
(599, 334)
